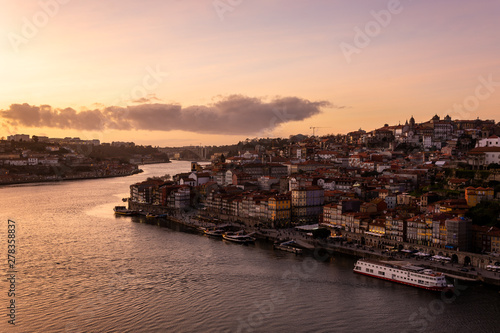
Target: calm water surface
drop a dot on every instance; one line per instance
(81, 269)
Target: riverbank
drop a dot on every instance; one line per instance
(154, 162)
(39, 179)
(313, 246)
(451, 270)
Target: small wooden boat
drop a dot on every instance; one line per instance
(217, 233)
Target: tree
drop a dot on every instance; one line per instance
(493, 166)
(485, 213)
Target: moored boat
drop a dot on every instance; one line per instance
(218, 233)
(238, 237)
(404, 273)
(288, 247)
(122, 210)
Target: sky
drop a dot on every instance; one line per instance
(213, 72)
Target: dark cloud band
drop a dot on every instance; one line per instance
(235, 114)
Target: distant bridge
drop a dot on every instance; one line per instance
(195, 153)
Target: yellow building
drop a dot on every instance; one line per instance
(377, 227)
(279, 208)
(442, 233)
(495, 240)
(425, 231)
(419, 230)
(476, 195)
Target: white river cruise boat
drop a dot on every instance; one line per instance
(403, 272)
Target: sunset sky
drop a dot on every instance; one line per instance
(181, 72)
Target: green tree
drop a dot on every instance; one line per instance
(485, 213)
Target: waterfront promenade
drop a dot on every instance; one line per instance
(333, 247)
(349, 248)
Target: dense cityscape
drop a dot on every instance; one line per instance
(432, 186)
(250, 166)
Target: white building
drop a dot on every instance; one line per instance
(428, 142)
(200, 178)
(492, 155)
(229, 177)
(492, 141)
(219, 177)
(327, 184)
(182, 198)
(483, 156)
(327, 155)
(18, 137)
(187, 181)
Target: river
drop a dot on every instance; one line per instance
(81, 269)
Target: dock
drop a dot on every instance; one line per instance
(462, 278)
(304, 245)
